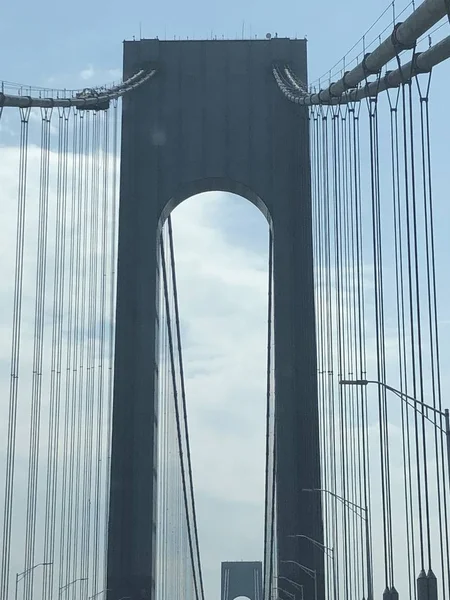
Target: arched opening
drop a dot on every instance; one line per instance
(221, 251)
(218, 186)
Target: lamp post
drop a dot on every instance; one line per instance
(286, 592)
(310, 572)
(364, 515)
(329, 552)
(299, 586)
(20, 576)
(423, 581)
(98, 594)
(408, 399)
(64, 587)
(350, 505)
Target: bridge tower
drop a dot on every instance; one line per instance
(212, 119)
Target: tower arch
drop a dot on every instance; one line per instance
(213, 184)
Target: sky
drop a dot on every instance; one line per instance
(62, 46)
(221, 240)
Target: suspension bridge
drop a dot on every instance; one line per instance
(99, 492)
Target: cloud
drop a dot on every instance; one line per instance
(114, 73)
(100, 76)
(87, 73)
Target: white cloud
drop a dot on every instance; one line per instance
(100, 76)
(114, 73)
(87, 73)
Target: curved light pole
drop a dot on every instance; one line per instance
(98, 594)
(416, 405)
(408, 400)
(364, 515)
(329, 552)
(299, 586)
(350, 505)
(310, 572)
(284, 592)
(20, 576)
(64, 587)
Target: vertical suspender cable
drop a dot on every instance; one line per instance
(337, 188)
(409, 271)
(82, 402)
(67, 426)
(193, 516)
(36, 393)
(434, 332)
(75, 416)
(177, 417)
(111, 249)
(164, 415)
(353, 310)
(348, 316)
(398, 251)
(320, 321)
(360, 335)
(329, 243)
(418, 317)
(102, 248)
(380, 336)
(268, 533)
(92, 320)
(53, 453)
(15, 355)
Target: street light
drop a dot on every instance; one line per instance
(291, 581)
(350, 505)
(64, 587)
(310, 572)
(98, 594)
(329, 552)
(280, 590)
(20, 576)
(405, 397)
(365, 517)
